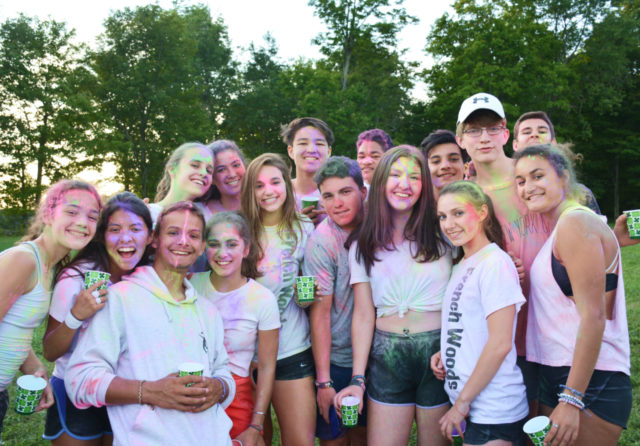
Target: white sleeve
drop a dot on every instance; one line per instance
(64, 294)
(499, 284)
(93, 362)
(357, 269)
(220, 367)
(268, 315)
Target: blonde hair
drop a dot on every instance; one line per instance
(52, 198)
(174, 159)
(251, 208)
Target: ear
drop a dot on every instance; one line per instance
(364, 193)
(506, 133)
(459, 141)
(290, 152)
(245, 252)
(328, 151)
(483, 212)
(149, 239)
(514, 144)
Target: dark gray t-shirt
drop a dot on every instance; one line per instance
(327, 259)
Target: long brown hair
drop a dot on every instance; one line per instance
(251, 208)
(52, 198)
(249, 266)
(376, 231)
(474, 195)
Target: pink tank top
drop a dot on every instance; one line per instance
(553, 320)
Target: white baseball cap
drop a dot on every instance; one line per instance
(480, 101)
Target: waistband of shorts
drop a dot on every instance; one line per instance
(408, 335)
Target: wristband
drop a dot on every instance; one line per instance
(256, 427)
(358, 380)
(224, 389)
(72, 322)
(140, 391)
(324, 385)
(570, 399)
(572, 390)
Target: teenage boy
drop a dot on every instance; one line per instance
(536, 128)
(326, 258)
(444, 157)
(309, 142)
(128, 357)
(482, 131)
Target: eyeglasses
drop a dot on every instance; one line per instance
(477, 131)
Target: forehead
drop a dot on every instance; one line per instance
(309, 133)
(406, 164)
(452, 201)
(79, 197)
(534, 123)
(227, 156)
(370, 147)
(528, 163)
(198, 154)
(444, 150)
(123, 216)
(268, 172)
(224, 231)
(184, 219)
(333, 184)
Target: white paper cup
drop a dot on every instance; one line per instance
(537, 428)
(190, 368)
(350, 411)
(30, 390)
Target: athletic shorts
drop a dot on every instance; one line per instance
(608, 394)
(341, 377)
(483, 433)
(241, 408)
(81, 424)
(296, 366)
(399, 370)
(531, 375)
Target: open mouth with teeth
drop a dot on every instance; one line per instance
(126, 252)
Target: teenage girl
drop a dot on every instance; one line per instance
(477, 357)
(250, 315)
(187, 176)
(281, 234)
(66, 220)
(120, 244)
(399, 272)
(577, 328)
(229, 168)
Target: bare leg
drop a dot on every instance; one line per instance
(295, 404)
(67, 440)
(389, 425)
(429, 427)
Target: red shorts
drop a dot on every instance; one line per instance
(241, 408)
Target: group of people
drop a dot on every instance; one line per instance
(458, 304)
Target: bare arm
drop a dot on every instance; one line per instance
(320, 318)
(17, 269)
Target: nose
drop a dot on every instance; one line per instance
(126, 236)
(403, 181)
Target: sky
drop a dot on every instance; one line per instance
(292, 24)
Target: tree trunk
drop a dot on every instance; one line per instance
(616, 187)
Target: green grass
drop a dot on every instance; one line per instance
(27, 430)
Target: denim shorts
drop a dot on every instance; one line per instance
(341, 377)
(608, 394)
(399, 370)
(64, 417)
(296, 366)
(531, 375)
(476, 433)
(4, 405)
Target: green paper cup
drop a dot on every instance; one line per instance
(457, 439)
(633, 223)
(93, 277)
(30, 390)
(305, 286)
(537, 428)
(350, 411)
(310, 201)
(190, 368)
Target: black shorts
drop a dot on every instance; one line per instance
(296, 366)
(476, 433)
(531, 375)
(4, 405)
(400, 372)
(608, 394)
(81, 424)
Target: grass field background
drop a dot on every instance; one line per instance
(20, 430)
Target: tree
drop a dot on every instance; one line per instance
(43, 110)
(161, 81)
(351, 20)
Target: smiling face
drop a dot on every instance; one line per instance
(179, 242)
(484, 148)
(539, 185)
(532, 132)
(270, 190)
(343, 201)
(369, 154)
(228, 173)
(192, 176)
(225, 251)
(74, 220)
(126, 239)
(459, 220)
(404, 184)
(309, 150)
(445, 164)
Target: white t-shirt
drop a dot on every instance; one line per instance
(280, 266)
(399, 283)
(64, 297)
(244, 311)
(480, 285)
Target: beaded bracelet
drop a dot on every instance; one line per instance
(570, 399)
(324, 384)
(358, 380)
(224, 389)
(572, 390)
